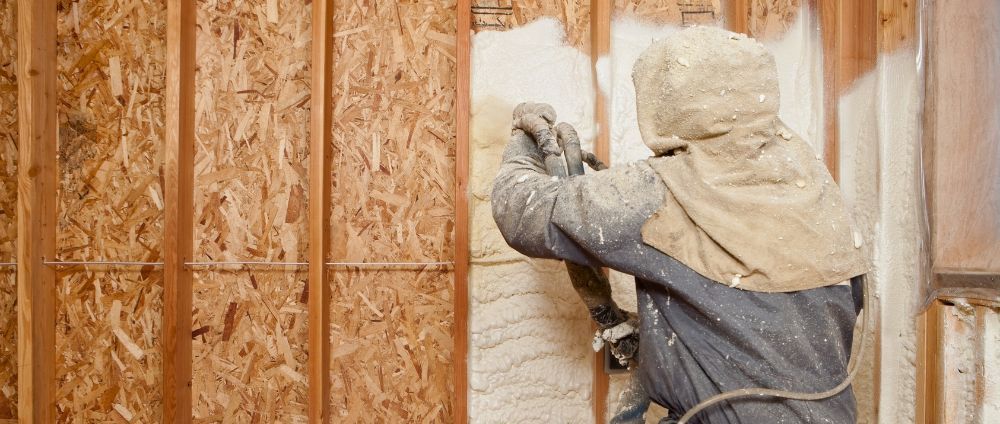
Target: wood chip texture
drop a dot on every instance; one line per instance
(506, 14)
(251, 158)
(674, 12)
(111, 112)
(8, 206)
(769, 19)
(392, 200)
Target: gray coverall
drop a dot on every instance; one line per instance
(698, 338)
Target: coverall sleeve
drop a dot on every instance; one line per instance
(591, 219)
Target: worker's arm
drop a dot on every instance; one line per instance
(594, 219)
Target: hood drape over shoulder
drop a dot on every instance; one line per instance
(749, 204)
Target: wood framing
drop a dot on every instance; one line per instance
(849, 29)
(953, 354)
(8, 213)
(319, 211)
(738, 16)
(979, 364)
(929, 375)
(854, 32)
(829, 22)
(463, 98)
(178, 188)
(897, 25)
(36, 210)
(959, 129)
(600, 46)
(960, 132)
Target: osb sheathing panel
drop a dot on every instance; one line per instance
(770, 19)
(107, 344)
(8, 203)
(765, 18)
(110, 107)
(393, 178)
(685, 12)
(507, 14)
(8, 344)
(252, 118)
(249, 347)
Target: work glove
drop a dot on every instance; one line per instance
(536, 119)
(622, 338)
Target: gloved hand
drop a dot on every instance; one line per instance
(623, 337)
(536, 120)
(625, 347)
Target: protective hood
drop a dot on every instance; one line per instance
(749, 203)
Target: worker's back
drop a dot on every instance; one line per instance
(737, 237)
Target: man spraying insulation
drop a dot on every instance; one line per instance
(735, 232)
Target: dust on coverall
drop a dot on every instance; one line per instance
(731, 191)
(698, 338)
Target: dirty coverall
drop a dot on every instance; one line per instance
(698, 338)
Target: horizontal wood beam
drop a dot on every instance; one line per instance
(947, 278)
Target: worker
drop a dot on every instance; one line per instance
(736, 234)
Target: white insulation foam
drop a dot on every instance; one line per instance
(530, 358)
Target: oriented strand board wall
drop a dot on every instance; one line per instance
(111, 73)
(673, 12)
(771, 18)
(252, 118)
(393, 181)
(507, 14)
(8, 201)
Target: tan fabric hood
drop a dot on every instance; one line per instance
(749, 203)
